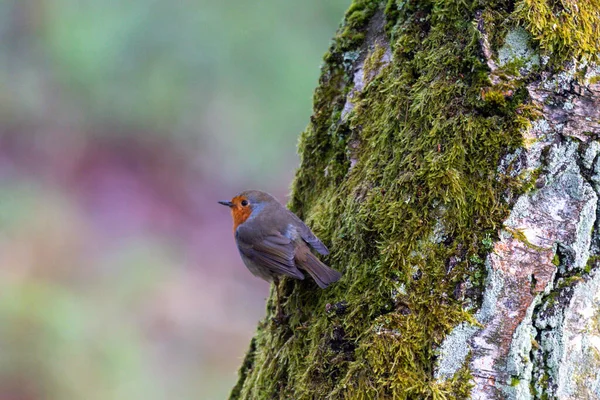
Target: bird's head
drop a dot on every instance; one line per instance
(246, 204)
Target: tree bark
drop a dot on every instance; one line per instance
(451, 166)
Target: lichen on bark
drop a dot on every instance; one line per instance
(409, 167)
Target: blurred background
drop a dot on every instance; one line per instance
(121, 125)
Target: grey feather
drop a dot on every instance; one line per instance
(274, 252)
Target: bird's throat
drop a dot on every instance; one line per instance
(240, 215)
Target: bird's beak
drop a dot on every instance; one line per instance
(226, 203)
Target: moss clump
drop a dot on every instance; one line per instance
(520, 236)
(245, 369)
(593, 262)
(373, 62)
(487, 242)
(563, 29)
(556, 260)
(352, 32)
(428, 132)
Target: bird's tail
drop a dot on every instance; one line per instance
(321, 273)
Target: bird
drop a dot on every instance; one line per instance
(273, 242)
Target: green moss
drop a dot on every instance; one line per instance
(593, 262)
(356, 18)
(430, 130)
(556, 260)
(373, 62)
(569, 281)
(540, 388)
(391, 15)
(519, 235)
(497, 23)
(245, 370)
(487, 242)
(563, 29)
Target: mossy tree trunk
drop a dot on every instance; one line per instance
(451, 166)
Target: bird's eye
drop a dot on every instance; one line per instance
(244, 203)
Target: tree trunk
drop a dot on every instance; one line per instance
(451, 166)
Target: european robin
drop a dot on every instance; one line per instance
(273, 241)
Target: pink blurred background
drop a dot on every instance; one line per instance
(122, 124)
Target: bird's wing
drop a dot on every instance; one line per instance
(274, 252)
(309, 237)
(314, 241)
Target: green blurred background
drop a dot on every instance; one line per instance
(122, 124)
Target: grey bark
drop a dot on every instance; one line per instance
(540, 319)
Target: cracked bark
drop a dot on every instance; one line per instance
(540, 334)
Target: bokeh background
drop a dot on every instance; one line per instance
(121, 125)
